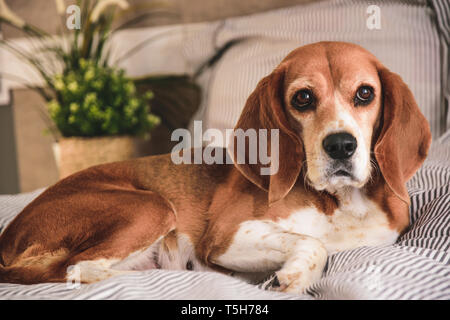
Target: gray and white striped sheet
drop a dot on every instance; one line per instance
(408, 43)
(417, 266)
(442, 10)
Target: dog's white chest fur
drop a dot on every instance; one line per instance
(342, 230)
(357, 222)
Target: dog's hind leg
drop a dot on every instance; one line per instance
(128, 249)
(35, 269)
(133, 225)
(88, 271)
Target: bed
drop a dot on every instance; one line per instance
(417, 266)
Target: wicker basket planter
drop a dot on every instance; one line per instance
(75, 154)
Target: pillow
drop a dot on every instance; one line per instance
(442, 13)
(407, 43)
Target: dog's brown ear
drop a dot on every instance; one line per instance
(264, 109)
(405, 136)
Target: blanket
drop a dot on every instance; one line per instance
(415, 267)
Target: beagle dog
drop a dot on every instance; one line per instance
(350, 136)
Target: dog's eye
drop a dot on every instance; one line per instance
(302, 99)
(364, 95)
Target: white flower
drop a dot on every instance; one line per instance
(8, 15)
(60, 7)
(103, 4)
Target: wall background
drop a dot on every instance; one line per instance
(42, 12)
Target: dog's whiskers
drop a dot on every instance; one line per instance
(375, 170)
(305, 176)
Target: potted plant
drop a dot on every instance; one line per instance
(99, 114)
(96, 112)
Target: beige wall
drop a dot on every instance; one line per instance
(35, 161)
(42, 13)
(9, 182)
(36, 164)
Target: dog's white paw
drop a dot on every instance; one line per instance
(300, 272)
(297, 281)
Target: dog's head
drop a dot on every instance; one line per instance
(340, 114)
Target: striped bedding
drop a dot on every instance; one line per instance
(416, 267)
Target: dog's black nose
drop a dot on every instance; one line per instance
(340, 145)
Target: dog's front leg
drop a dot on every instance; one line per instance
(261, 246)
(306, 258)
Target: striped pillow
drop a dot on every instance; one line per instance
(442, 13)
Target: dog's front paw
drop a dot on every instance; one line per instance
(301, 272)
(297, 281)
